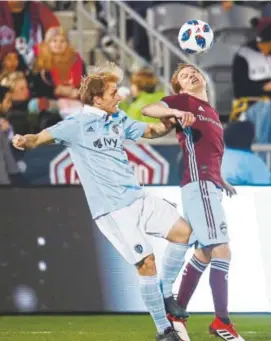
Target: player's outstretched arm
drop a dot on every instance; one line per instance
(159, 110)
(31, 141)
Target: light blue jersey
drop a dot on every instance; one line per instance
(240, 167)
(95, 142)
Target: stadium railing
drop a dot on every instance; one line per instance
(117, 15)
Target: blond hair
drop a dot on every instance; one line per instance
(174, 79)
(95, 83)
(11, 79)
(46, 60)
(145, 80)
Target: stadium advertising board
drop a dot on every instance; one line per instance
(153, 165)
(54, 259)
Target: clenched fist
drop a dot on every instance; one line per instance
(19, 142)
(184, 117)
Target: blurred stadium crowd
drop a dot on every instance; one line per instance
(40, 71)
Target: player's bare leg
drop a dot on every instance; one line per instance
(153, 299)
(221, 326)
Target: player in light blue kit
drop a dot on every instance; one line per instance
(124, 213)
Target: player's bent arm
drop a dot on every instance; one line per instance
(158, 110)
(31, 141)
(155, 130)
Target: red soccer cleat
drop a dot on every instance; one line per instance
(224, 331)
(179, 325)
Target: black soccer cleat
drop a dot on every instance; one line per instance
(174, 310)
(168, 335)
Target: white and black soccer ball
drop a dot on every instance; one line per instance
(195, 37)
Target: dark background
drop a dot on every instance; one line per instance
(70, 281)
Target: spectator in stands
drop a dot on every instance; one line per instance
(19, 90)
(8, 165)
(240, 166)
(22, 26)
(5, 105)
(11, 62)
(58, 66)
(251, 68)
(9, 172)
(143, 90)
(19, 96)
(5, 99)
(18, 112)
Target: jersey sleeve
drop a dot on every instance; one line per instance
(133, 129)
(167, 101)
(64, 132)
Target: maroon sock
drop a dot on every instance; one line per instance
(219, 285)
(191, 276)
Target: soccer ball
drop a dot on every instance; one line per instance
(195, 37)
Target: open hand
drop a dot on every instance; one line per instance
(230, 190)
(18, 142)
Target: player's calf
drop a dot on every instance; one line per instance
(151, 294)
(172, 264)
(147, 267)
(220, 264)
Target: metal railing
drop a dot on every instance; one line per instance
(117, 14)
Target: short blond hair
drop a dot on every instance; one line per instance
(174, 79)
(95, 83)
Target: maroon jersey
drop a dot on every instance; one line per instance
(202, 143)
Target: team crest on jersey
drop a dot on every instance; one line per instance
(138, 248)
(98, 143)
(223, 228)
(115, 129)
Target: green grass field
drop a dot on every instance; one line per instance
(118, 328)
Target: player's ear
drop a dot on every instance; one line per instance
(97, 100)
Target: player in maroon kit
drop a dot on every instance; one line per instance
(202, 187)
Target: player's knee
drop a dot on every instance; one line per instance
(147, 266)
(180, 232)
(221, 251)
(203, 255)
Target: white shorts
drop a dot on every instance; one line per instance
(128, 227)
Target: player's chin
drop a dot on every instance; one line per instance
(115, 109)
(197, 85)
